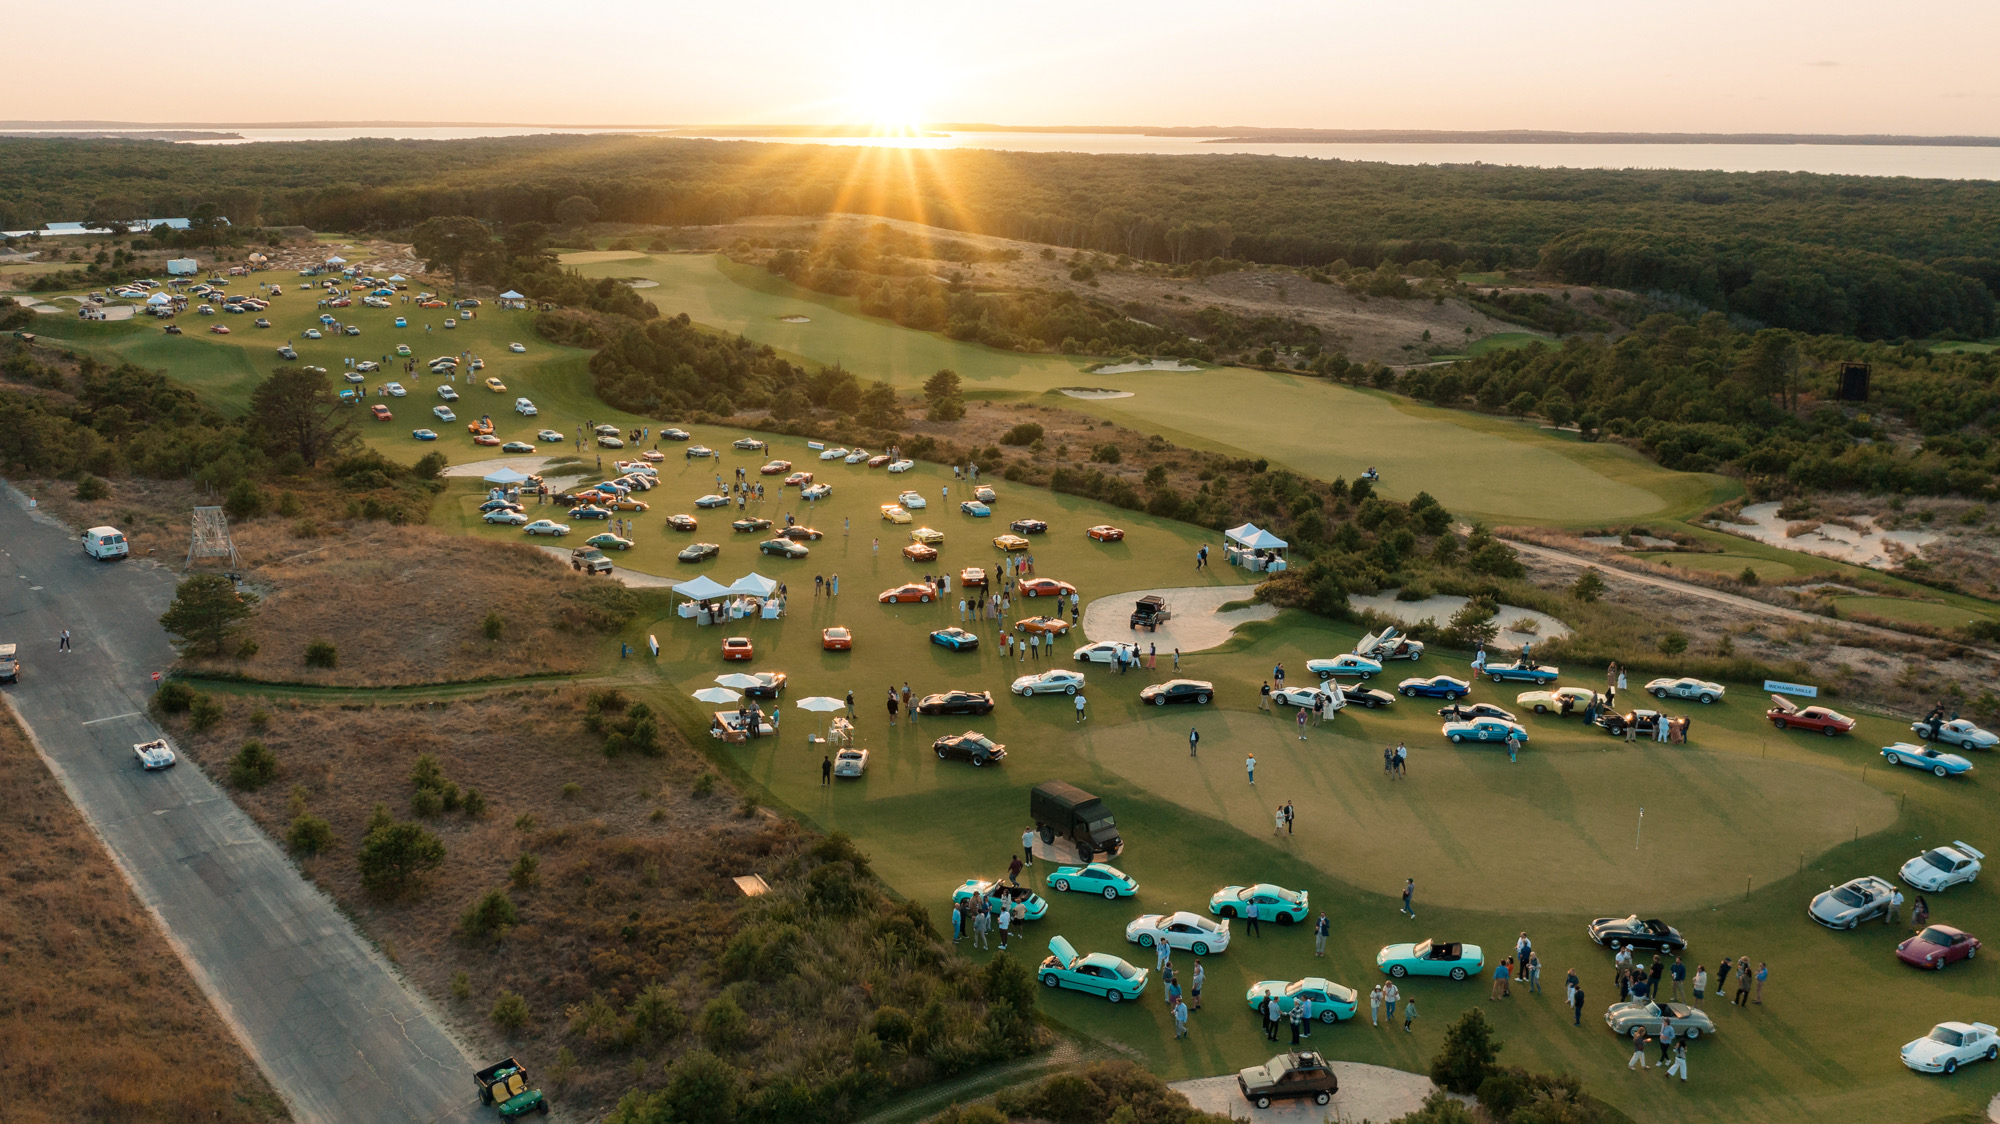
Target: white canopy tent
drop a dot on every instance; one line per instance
(336, 260)
(504, 475)
(398, 277)
(754, 585)
(1253, 547)
(701, 588)
(1252, 537)
(159, 299)
(511, 295)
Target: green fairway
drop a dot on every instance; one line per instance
(1903, 609)
(1503, 341)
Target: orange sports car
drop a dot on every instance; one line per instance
(913, 591)
(738, 648)
(1046, 587)
(483, 425)
(836, 639)
(479, 438)
(1105, 532)
(1048, 626)
(798, 479)
(920, 552)
(775, 467)
(381, 412)
(972, 576)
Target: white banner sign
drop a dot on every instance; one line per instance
(1799, 689)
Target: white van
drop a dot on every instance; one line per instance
(105, 542)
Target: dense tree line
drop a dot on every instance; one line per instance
(113, 420)
(1880, 257)
(668, 367)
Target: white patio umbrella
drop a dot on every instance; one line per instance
(718, 695)
(821, 704)
(739, 680)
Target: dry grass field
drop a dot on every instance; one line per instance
(98, 1019)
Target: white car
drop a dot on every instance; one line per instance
(547, 527)
(448, 394)
(1190, 932)
(525, 408)
(394, 390)
(154, 754)
(912, 500)
(510, 518)
(815, 491)
(1943, 867)
(1057, 682)
(517, 348)
(311, 333)
(368, 365)
(850, 762)
(1958, 732)
(832, 454)
(1347, 664)
(857, 456)
(354, 376)
(1309, 696)
(550, 435)
(901, 466)
(1106, 651)
(1546, 701)
(1701, 690)
(1950, 1045)
(443, 413)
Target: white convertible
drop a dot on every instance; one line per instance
(902, 466)
(1950, 1045)
(833, 454)
(1542, 702)
(1700, 690)
(1958, 732)
(1344, 665)
(1943, 867)
(1056, 682)
(1389, 645)
(1187, 931)
(1309, 696)
(850, 762)
(154, 754)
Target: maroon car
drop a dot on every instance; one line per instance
(1937, 946)
(1786, 715)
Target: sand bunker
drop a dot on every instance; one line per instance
(533, 466)
(1176, 365)
(1093, 392)
(1870, 546)
(641, 283)
(795, 319)
(1196, 625)
(1440, 608)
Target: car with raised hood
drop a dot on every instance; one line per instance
(1852, 902)
(1054, 682)
(1331, 1002)
(1346, 665)
(1431, 958)
(970, 746)
(1686, 687)
(1274, 903)
(1788, 715)
(1189, 932)
(1098, 973)
(1938, 946)
(1389, 644)
(1959, 732)
(1001, 896)
(1633, 931)
(1289, 1076)
(1943, 866)
(1929, 758)
(956, 701)
(1950, 1045)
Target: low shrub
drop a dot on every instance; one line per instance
(322, 653)
(253, 767)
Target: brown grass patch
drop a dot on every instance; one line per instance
(99, 1020)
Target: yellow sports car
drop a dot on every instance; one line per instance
(895, 513)
(1011, 542)
(927, 535)
(495, 385)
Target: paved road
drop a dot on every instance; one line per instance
(318, 1008)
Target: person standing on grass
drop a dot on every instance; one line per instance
(1576, 1005)
(1290, 817)
(1409, 1013)
(1319, 935)
(1534, 970)
(1375, 1006)
(1250, 766)
(1500, 972)
(1742, 981)
(826, 772)
(892, 706)
(1654, 971)
(1895, 914)
(1028, 845)
(1402, 761)
(1513, 748)
(1194, 741)
(1389, 761)
(1667, 1034)
(1005, 921)
(1409, 891)
(1390, 994)
(1302, 723)
(833, 586)
(1272, 1013)
(1678, 973)
(1569, 986)
(1264, 702)
(982, 921)
(1680, 1065)
(1080, 715)
(1763, 973)
(1180, 1019)
(1250, 915)
(957, 922)
(850, 706)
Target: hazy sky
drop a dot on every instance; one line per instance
(1844, 66)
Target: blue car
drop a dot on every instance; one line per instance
(1436, 687)
(424, 434)
(1522, 671)
(1484, 730)
(1929, 757)
(975, 509)
(1094, 878)
(957, 639)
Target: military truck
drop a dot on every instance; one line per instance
(506, 1085)
(1150, 612)
(1064, 811)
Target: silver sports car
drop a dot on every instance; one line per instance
(1845, 906)
(1689, 1022)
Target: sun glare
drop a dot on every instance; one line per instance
(887, 101)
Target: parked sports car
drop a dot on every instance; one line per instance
(381, 412)
(1054, 682)
(1484, 730)
(1389, 645)
(1274, 903)
(1543, 702)
(878, 460)
(1010, 542)
(1357, 695)
(424, 434)
(912, 500)
(712, 500)
(815, 492)
(776, 467)
(1288, 1076)
(801, 534)
(517, 447)
(902, 466)
(1188, 931)
(972, 577)
(970, 746)
(1102, 879)
(1943, 867)
(797, 480)
(1048, 626)
(927, 535)
(1786, 714)
(589, 511)
(1643, 722)
(696, 452)
(1689, 1022)
(1431, 958)
(984, 493)
(895, 513)
(836, 639)
(920, 552)
(1046, 587)
(832, 454)
(1522, 671)
(507, 516)
(1331, 1002)
(1309, 696)
(738, 648)
(975, 509)
(907, 592)
(673, 434)
(1105, 532)
(1930, 757)
(1028, 526)
(750, 524)
(1950, 1045)
(751, 444)
(1105, 651)
(1937, 946)
(608, 541)
(1197, 691)
(1466, 712)
(1002, 895)
(546, 527)
(957, 639)
(1344, 665)
(956, 702)
(1958, 732)
(1700, 690)
(1098, 973)
(1849, 904)
(1651, 934)
(1436, 687)
(698, 552)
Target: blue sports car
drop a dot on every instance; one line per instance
(1331, 1002)
(1000, 895)
(1094, 878)
(1928, 757)
(1099, 973)
(957, 639)
(975, 509)
(1484, 730)
(1522, 671)
(1436, 687)
(1431, 958)
(1274, 903)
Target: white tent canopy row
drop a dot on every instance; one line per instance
(1252, 537)
(705, 587)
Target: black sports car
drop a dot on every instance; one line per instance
(675, 434)
(801, 534)
(751, 524)
(1634, 932)
(1197, 691)
(699, 552)
(749, 443)
(682, 522)
(783, 548)
(1357, 695)
(1028, 526)
(1466, 712)
(957, 702)
(770, 684)
(970, 746)
(1642, 722)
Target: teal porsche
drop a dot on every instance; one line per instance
(1431, 958)
(1331, 1002)
(1274, 903)
(1094, 878)
(1000, 895)
(1098, 973)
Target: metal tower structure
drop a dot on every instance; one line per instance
(211, 537)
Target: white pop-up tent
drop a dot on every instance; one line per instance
(159, 299)
(1251, 537)
(505, 475)
(701, 588)
(336, 261)
(754, 585)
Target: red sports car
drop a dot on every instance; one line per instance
(972, 576)
(219, 329)
(479, 438)
(799, 479)
(1937, 946)
(381, 412)
(920, 552)
(1054, 626)
(1105, 532)
(914, 591)
(1046, 587)
(738, 648)
(836, 639)
(1786, 715)
(773, 468)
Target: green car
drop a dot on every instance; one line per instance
(1094, 878)
(608, 541)
(1274, 903)
(1098, 973)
